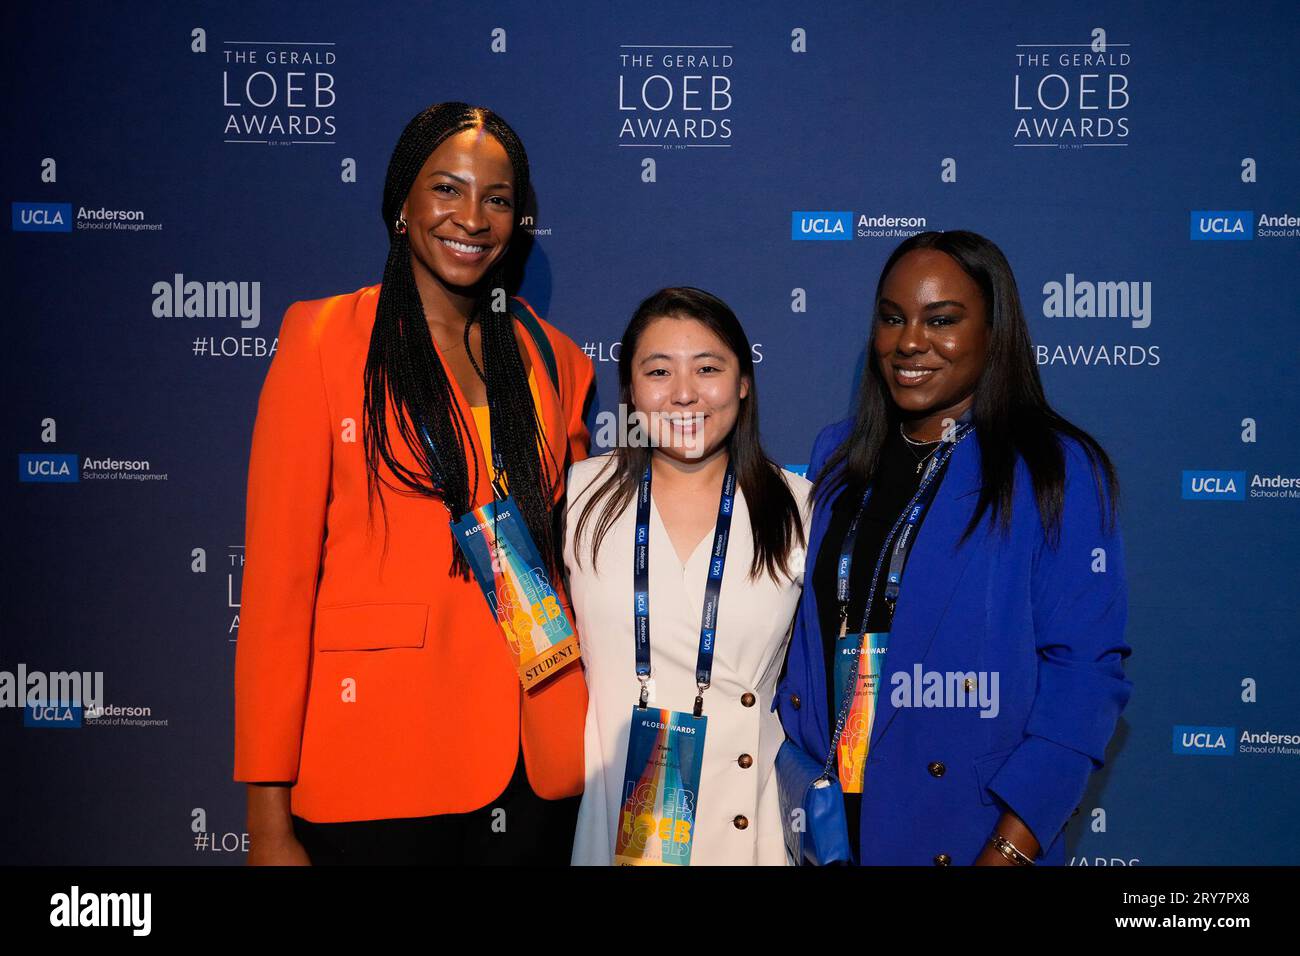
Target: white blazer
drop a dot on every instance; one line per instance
(738, 816)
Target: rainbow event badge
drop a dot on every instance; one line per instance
(661, 788)
(855, 741)
(509, 571)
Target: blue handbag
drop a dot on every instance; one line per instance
(812, 809)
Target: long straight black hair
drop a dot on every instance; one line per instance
(402, 367)
(774, 513)
(1010, 412)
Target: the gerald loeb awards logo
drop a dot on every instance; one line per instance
(675, 96)
(278, 93)
(1072, 95)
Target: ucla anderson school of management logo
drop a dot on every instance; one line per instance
(1241, 225)
(840, 225)
(1199, 741)
(1237, 486)
(59, 217)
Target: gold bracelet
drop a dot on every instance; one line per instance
(1009, 850)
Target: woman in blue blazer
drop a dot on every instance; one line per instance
(964, 581)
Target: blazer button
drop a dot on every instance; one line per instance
(937, 769)
(748, 699)
(745, 761)
(794, 701)
(943, 859)
(741, 822)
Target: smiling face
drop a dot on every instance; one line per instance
(931, 338)
(460, 211)
(688, 382)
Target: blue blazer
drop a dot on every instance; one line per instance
(1047, 620)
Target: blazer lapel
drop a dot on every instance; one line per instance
(933, 571)
(813, 652)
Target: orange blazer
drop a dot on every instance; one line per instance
(376, 684)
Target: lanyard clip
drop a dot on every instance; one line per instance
(498, 470)
(699, 699)
(645, 690)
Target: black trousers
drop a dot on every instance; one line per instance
(518, 828)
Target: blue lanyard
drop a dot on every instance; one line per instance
(902, 544)
(712, 590)
(924, 495)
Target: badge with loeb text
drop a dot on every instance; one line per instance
(661, 788)
(508, 568)
(856, 737)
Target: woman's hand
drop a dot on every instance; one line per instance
(1015, 832)
(276, 850)
(270, 828)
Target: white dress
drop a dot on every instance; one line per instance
(738, 816)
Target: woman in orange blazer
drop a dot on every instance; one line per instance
(378, 713)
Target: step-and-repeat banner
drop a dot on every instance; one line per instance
(179, 173)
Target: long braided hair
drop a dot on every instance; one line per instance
(403, 368)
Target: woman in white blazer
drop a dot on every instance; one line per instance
(722, 546)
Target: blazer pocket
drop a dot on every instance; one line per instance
(370, 627)
(988, 765)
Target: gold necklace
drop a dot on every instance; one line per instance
(926, 457)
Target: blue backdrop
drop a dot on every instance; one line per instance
(1144, 159)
